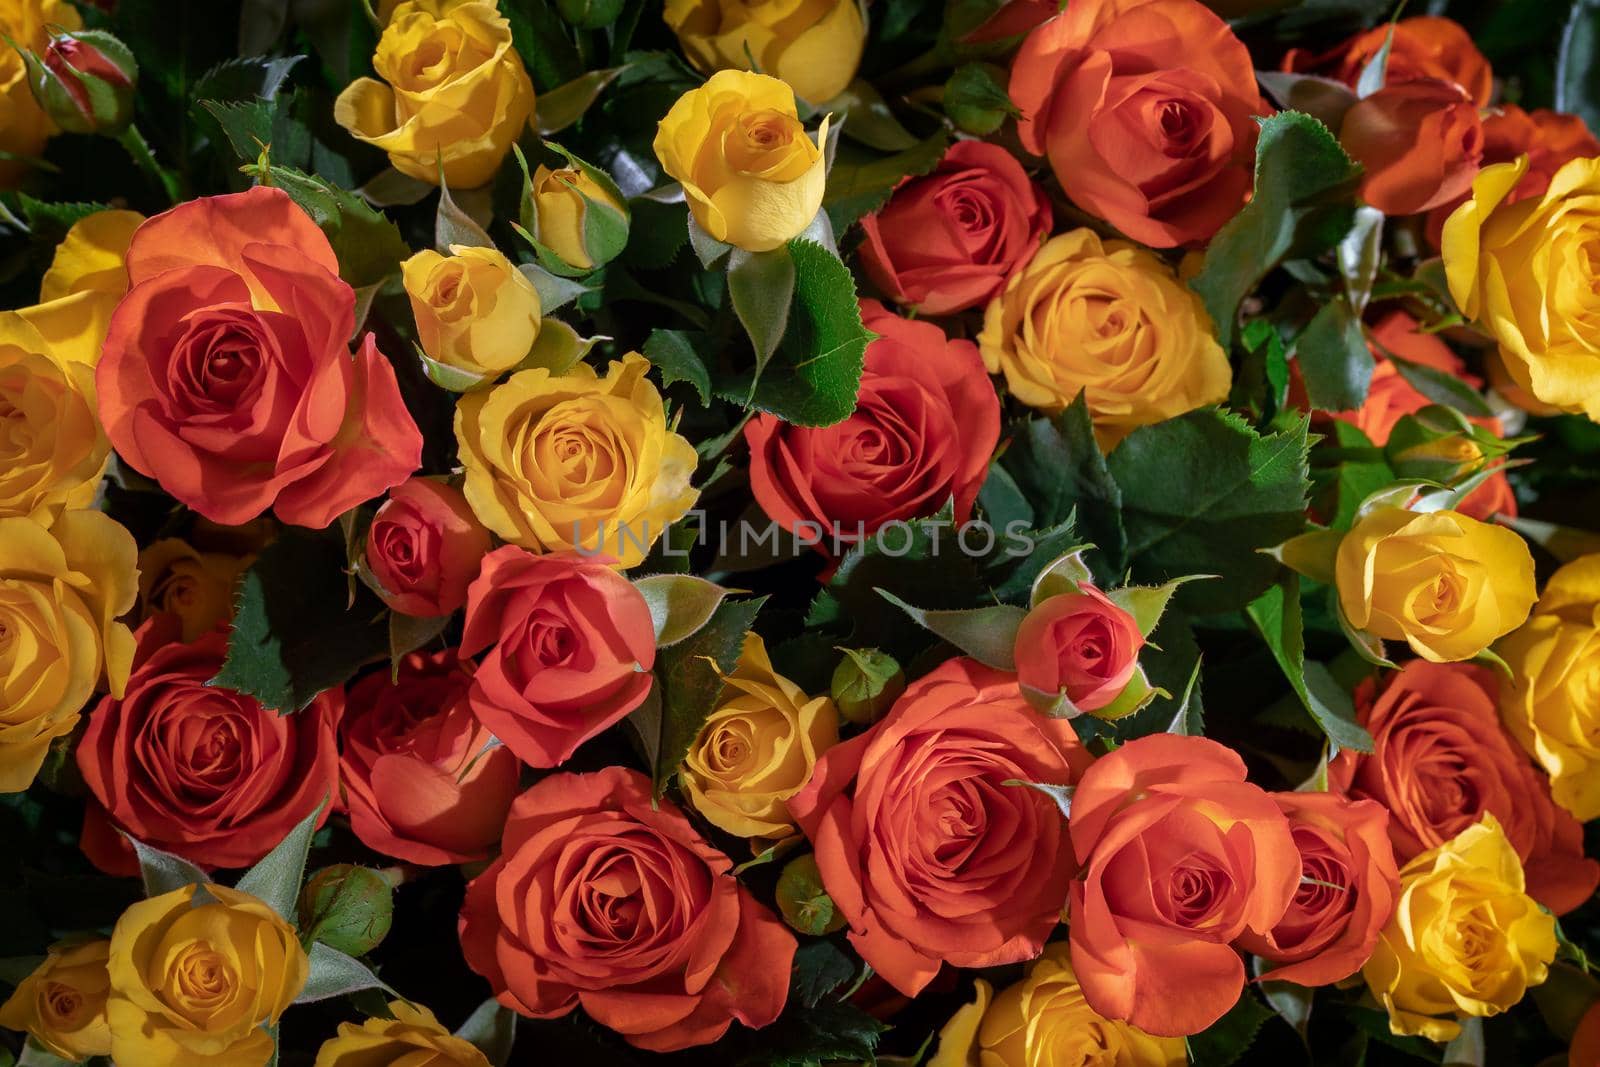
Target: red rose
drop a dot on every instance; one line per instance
(926, 422)
(424, 547)
(1348, 885)
(948, 241)
(605, 897)
(1080, 644)
(227, 374)
(1146, 110)
(568, 645)
(195, 769)
(1441, 760)
(927, 842)
(423, 781)
(1425, 46)
(1420, 141)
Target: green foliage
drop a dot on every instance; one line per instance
(1334, 359)
(1229, 1038)
(1276, 614)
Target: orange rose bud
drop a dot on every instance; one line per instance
(1420, 141)
(1425, 46)
(1081, 644)
(424, 547)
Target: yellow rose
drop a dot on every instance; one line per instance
(751, 175)
(61, 591)
(757, 749)
(194, 981)
(91, 257)
(557, 213)
(198, 587)
(453, 88)
(1551, 706)
(1445, 584)
(1044, 1021)
(1465, 939)
(24, 127)
(474, 309)
(556, 462)
(413, 1038)
(814, 45)
(62, 1004)
(1501, 261)
(1108, 319)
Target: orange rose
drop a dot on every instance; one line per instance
(227, 374)
(925, 849)
(1181, 857)
(424, 547)
(1420, 142)
(1080, 644)
(1584, 1050)
(1441, 760)
(1348, 882)
(1147, 111)
(1424, 47)
(605, 897)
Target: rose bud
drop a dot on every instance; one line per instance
(574, 216)
(1421, 143)
(805, 904)
(1079, 645)
(424, 547)
(347, 907)
(589, 14)
(85, 82)
(866, 684)
(976, 100)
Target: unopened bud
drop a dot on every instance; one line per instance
(85, 82)
(865, 684)
(976, 100)
(347, 907)
(575, 215)
(805, 904)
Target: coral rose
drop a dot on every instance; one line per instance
(1441, 760)
(475, 310)
(814, 45)
(1424, 46)
(423, 781)
(1584, 1050)
(948, 241)
(1181, 857)
(544, 924)
(1420, 143)
(1078, 645)
(567, 649)
(928, 841)
(227, 374)
(195, 769)
(424, 547)
(1146, 109)
(925, 425)
(198, 587)
(62, 1003)
(411, 1037)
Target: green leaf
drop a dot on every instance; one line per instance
(1334, 358)
(51, 221)
(1203, 494)
(1377, 68)
(819, 968)
(1146, 603)
(1276, 614)
(1303, 183)
(1467, 1049)
(761, 287)
(823, 1033)
(544, 42)
(565, 104)
(162, 872)
(1362, 472)
(1225, 1041)
(1059, 468)
(245, 78)
(1064, 574)
(1322, 98)
(276, 877)
(369, 247)
(1290, 1000)
(254, 126)
(1186, 720)
(453, 226)
(334, 974)
(554, 292)
(988, 635)
(1360, 254)
(868, 119)
(407, 633)
(492, 1029)
(860, 182)
(1578, 64)
(680, 604)
(1442, 387)
(673, 353)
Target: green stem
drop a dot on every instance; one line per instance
(138, 148)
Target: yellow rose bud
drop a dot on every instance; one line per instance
(575, 217)
(413, 1036)
(196, 586)
(474, 309)
(194, 981)
(1543, 319)
(757, 749)
(62, 1004)
(24, 127)
(1110, 320)
(62, 589)
(1465, 938)
(814, 45)
(1445, 584)
(575, 461)
(751, 175)
(1550, 705)
(91, 257)
(1044, 1021)
(453, 89)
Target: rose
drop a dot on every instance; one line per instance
(62, 589)
(621, 477)
(1110, 320)
(62, 1003)
(412, 1037)
(543, 924)
(757, 749)
(814, 45)
(1465, 938)
(85, 82)
(91, 257)
(24, 127)
(1584, 1050)
(1146, 109)
(1420, 142)
(1445, 584)
(752, 177)
(1549, 706)
(1441, 760)
(198, 587)
(454, 94)
(196, 769)
(568, 645)
(1044, 1021)
(1424, 46)
(925, 425)
(1346, 893)
(929, 841)
(1181, 856)
(1080, 645)
(474, 309)
(196, 978)
(234, 404)
(424, 782)
(1541, 323)
(948, 241)
(565, 207)
(423, 548)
